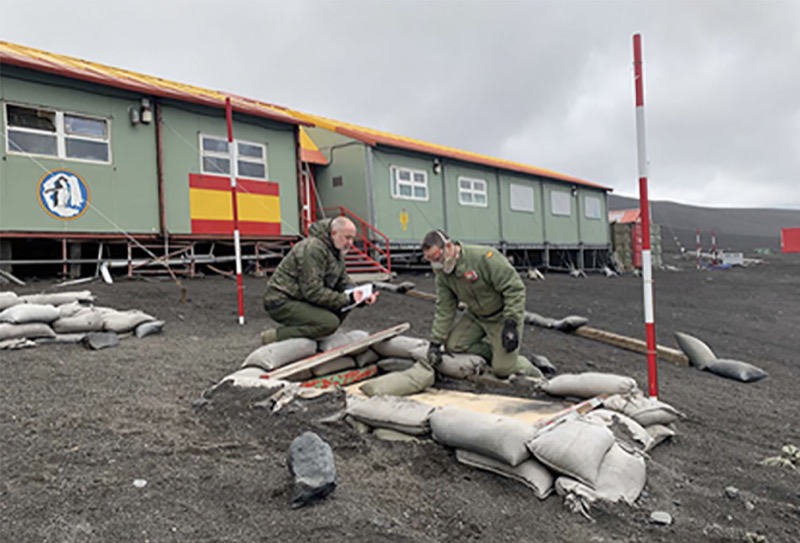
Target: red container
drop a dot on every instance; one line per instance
(790, 240)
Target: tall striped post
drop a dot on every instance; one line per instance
(714, 248)
(647, 260)
(698, 247)
(236, 242)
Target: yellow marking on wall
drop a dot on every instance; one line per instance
(404, 220)
(216, 205)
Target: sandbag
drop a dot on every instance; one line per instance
(87, 319)
(621, 477)
(495, 436)
(27, 330)
(58, 298)
(401, 383)
(385, 434)
(395, 364)
(589, 384)
(69, 309)
(399, 346)
(8, 299)
(699, 353)
(400, 414)
(148, 328)
(735, 369)
(543, 364)
(340, 339)
(625, 429)
(337, 364)
(645, 411)
(659, 433)
(462, 365)
(366, 358)
(22, 313)
(280, 353)
(529, 472)
(537, 320)
(574, 448)
(570, 323)
(124, 321)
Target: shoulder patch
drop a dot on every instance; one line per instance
(489, 254)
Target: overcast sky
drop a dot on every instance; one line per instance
(548, 83)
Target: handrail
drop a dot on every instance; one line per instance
(369, 245)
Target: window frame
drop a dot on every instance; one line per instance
(472, 191)
(511, 198)
(59, 133)
(394, 171)
(553, 206)
(237, 157)
(586, 207)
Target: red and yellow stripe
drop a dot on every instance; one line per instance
(211, 208)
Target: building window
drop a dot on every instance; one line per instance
(250, 158)
(57, 134)
(472, 192)
(409, 184)
(592, 207)
(560, 203)
(521, 198)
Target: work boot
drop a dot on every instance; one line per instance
(270, 335)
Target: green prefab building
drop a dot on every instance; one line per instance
(141, 166)
(405, 188)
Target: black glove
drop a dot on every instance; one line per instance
(435, 354)
(510, 335)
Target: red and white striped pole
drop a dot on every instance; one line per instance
(236, 242)
(644, 205)
(698, 246)
(713, 248)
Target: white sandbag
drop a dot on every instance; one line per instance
(22, 313)
(62, 338)
(462, 365)
(8, 299)
(69, 309)
(340, 339)
(625, 429)
(148, 328)
(529, 472)
(28, 330)
(280, 353)
(58, 298)
(621, 477)
(385, 434)
(659, 433)
(645, 411)
(366, 358)
(574, 448)
(401, 383)
(495, 436)
(395, 364)
(735, 369)
(537, 320)
(338, 364)
(699, 353)
(399, 346)
(124, 321)
(569, 323)
(400, 414)
(589, 384)
(87, 319)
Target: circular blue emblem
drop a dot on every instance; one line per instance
(63, 194)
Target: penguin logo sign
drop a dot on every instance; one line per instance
(63, 195)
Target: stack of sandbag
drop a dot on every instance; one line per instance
(589, 385)
(400, 362)
(66, 317)
(389, 417)
(702, 357)
(657, 418)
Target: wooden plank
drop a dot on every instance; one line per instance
(524, 409)
(342, 378)
(313, 361)
(631, 344)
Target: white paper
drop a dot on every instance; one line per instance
(366, 289)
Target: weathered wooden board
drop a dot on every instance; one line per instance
(294, 368)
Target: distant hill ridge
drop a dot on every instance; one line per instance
(736, 229)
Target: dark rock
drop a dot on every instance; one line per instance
(311, 465)
(100, 340)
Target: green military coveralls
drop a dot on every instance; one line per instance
(493, 291)
(306, 292)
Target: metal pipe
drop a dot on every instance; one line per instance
(162, 213)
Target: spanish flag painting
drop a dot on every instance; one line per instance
(211, 208)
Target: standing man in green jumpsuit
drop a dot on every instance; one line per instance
(307, 292)
(490, 287)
